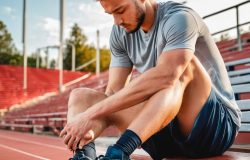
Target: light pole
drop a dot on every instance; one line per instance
(24, 46)
(62, 18)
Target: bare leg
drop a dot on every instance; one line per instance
(184, 100)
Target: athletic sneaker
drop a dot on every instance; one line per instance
(114, 153)
(79, 155)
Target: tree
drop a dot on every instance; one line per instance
(105, 58)
(78, 39)
(16, 60)
(53, 64)
(84, 52)
(6, 42)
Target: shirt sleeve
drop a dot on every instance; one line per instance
(119, 56)
(180, 31)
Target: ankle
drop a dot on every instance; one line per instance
(128, 142)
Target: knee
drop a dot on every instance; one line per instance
(84, 97)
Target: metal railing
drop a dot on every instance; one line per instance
(238, 25)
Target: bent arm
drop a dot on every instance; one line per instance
(167, 72)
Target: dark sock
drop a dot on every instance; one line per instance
(89, 150)
(128, 142)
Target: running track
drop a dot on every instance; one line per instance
(23, 146)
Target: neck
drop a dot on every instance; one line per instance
(150, 15)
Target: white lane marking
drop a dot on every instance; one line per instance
(33, 142)
(102, 150)
(26, 153)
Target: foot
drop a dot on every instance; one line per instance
(114, 153)
(79, 155)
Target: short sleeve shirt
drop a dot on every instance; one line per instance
(176, 26)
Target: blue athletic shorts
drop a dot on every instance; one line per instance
(213, 133)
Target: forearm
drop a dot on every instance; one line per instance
(135, 92)
(166, 74)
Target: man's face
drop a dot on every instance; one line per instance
(128, 14)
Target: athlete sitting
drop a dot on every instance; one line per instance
(181, 104)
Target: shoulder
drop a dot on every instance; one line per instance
(179, 18)
(178, 15)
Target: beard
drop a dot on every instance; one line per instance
(140, 16)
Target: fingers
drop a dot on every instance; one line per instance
(72, 138)
(76, 143)
(66, 139)
(71, 142)
(63, 132)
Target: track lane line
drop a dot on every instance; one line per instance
(33, 142)
(23, 152)
(100, 149)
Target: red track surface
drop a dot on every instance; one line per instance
(23, 146)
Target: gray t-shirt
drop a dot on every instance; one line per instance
(175, 26)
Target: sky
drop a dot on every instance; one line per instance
(43, 19)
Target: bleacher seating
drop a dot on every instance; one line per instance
(226, 46)
(40, 81)
(241, 86)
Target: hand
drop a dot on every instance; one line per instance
(80, 129)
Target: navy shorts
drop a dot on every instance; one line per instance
(212, 134)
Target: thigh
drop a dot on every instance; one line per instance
(213, 133)
(195, 96)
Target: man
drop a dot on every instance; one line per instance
(181, 104)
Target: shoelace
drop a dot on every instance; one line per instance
(102, 157)
(99, 157)
(77, 153)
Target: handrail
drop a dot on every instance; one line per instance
(77, 80)
(86, 64)
(228, 29)
(238, 25)
(229, 8)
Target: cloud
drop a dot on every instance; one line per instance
(51, 26)
(47, 31)
(90, 16)
(8, 11)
